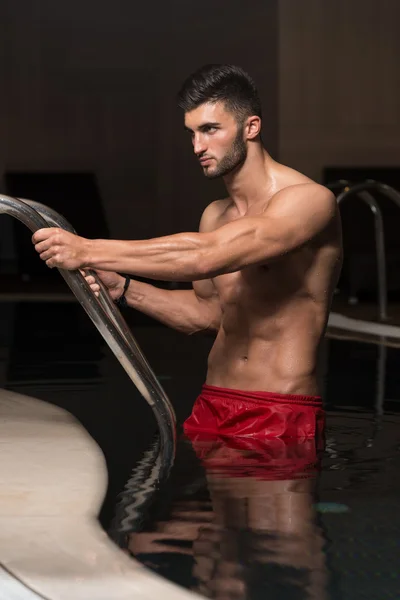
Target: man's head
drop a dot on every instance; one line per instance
(222, 113)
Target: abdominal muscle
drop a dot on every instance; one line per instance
(276, 354)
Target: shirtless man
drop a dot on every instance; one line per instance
(263, 265)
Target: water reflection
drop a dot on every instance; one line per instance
(247, 529)
(146, 478)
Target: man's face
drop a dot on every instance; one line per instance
(217, 139)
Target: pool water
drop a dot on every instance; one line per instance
(238, 520)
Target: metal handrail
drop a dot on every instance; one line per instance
(54, 219)
(361, 190)
(382, 188)
(111, 325)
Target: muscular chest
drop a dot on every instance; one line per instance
(243, 286)
(259, 286)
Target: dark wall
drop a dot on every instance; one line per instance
(89, 86)
(339, 84)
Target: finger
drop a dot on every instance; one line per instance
(43, 234)
(48, 254)
(82, 272)
(42, 246)
(40, 235)
(51, 263)
(90, 279)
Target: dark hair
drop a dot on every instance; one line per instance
(221, 83)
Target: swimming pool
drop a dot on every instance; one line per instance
(273, 520)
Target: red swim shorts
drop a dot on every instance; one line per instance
(268, 459)
(227, 412)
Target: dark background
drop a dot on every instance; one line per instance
(89, 123)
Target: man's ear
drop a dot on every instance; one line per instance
(253, 127)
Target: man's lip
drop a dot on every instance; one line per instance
(204, 160)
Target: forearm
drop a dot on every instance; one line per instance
(188, 256)
(179, 257)
(241, 243)
(178, 309)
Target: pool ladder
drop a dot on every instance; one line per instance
(364, 191)
(110, 323)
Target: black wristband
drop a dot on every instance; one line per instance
(121, 301)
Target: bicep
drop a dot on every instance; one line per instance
(290, 223)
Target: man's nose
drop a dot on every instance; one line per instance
(199, 146)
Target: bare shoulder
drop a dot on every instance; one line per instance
(304, 198)
(211, 217)
(308, 210)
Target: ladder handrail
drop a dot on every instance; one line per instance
(54, 219)
(122, 345)
(371, 184)
(362, 191)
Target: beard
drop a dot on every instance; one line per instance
(235, 157)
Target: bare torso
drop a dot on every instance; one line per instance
(273, 317)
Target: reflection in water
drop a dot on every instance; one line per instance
(247, 529)
(147, 476)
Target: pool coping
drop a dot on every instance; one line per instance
(51, 541)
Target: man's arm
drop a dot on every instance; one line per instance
(188, 311)
(296, 215)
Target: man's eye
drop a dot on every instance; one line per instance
(210, 129)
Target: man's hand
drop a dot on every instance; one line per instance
(61, 249)
(113, 282)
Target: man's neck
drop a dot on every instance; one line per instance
(253, 180)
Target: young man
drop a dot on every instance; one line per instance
(263, 265)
